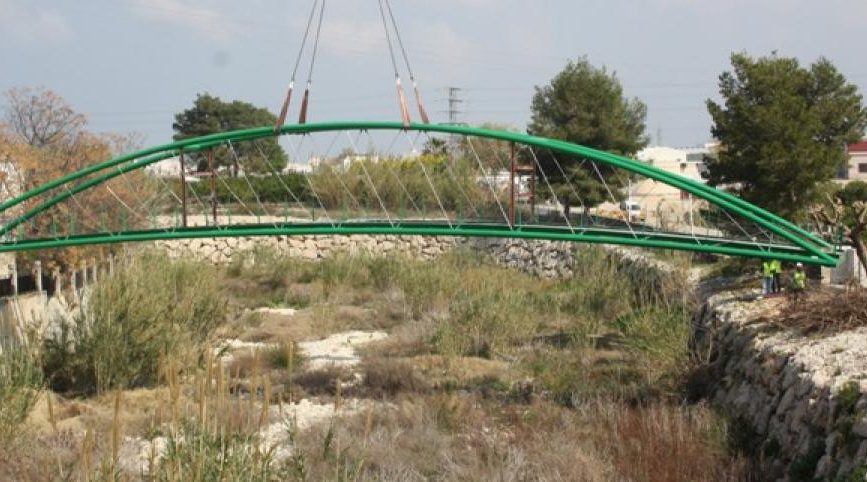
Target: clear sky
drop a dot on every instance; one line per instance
(131, 64)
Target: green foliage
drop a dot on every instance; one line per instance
(478, 309)
(585, 105)
(848, 396)
(486, 316)
(20, 385)
(852, 191)
(210, 115)
(782, 129)
(403, 186)
(857, 475)
(148, 308)
(285, 356)
(849, 196)
(277, 189)
(198, 454)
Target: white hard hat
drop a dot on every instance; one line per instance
(799, 264)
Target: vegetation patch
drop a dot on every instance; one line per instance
(132, 319)
(826, 312)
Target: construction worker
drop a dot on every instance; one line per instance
(767, 277)
(799, 282)
(777, 271)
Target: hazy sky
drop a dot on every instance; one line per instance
(131, 64)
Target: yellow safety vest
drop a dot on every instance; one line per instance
(768, 268)
(776, 266)
(800, 279)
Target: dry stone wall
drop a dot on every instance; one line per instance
(802, 397)
(548, 259)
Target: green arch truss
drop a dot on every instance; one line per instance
(800, 245)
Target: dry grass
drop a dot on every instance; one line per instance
(448, 437)
(826, 311)
(444, 438)
(489, 375)
(663, 442)
(323, 381)
(384, 378)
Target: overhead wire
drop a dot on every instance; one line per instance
(404, 110)
(285, 109)
(302, 117)
(421, 110)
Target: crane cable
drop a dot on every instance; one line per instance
(404, 111)
(285, 109)
(421, 110)
(302, 118)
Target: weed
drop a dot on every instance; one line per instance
(20, 386)
(149, 307)
(285, 356)
(384, 377)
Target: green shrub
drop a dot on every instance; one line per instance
(488, 317)
(199, 454)
(20, 385)
(148, 308)
(659, 338)
(269, 189)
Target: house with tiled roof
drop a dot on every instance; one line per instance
(857, 169)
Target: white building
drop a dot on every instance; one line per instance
(661, 203)
(170, 167)
(10, 187)
(300, 168)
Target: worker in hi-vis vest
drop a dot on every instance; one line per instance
(767, 276)
(799, 282)
(777, 270)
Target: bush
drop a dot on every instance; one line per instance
(148, 308)
(20, 384)
(269, 189)
(196, 453)
(388, 377)
(489, 317)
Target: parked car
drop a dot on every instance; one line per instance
(632, 211)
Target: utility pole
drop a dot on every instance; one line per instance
(454, 103)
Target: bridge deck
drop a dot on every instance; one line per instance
(601, 235)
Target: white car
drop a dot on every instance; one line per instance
(632, 210)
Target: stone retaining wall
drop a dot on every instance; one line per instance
(803, 397)
(548, 259)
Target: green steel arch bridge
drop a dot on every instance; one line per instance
(480, 183)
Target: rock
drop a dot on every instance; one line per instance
(860, 427)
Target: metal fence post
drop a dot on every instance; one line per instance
(13, 273)
(37, 274)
